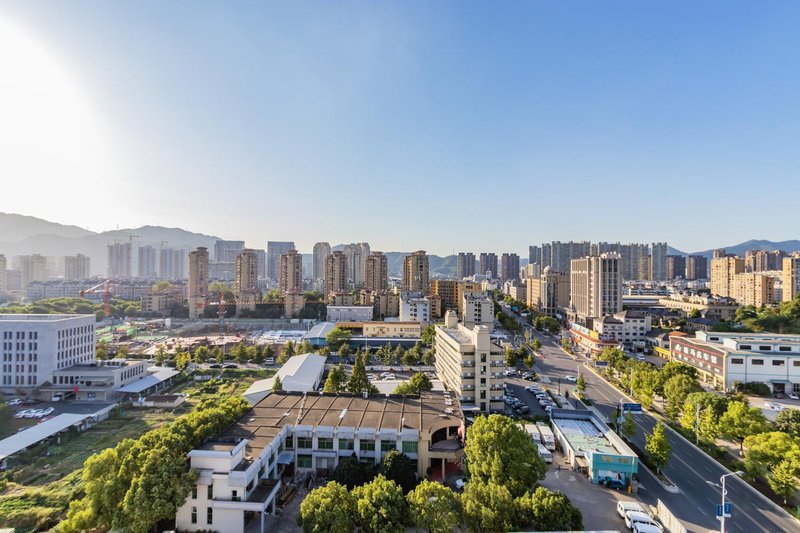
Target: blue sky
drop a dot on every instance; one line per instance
(435, 125)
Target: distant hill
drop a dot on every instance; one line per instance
(756, 244)
(15, 227)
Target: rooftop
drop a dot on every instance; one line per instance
(40, 318)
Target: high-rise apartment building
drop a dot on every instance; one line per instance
(676, 266)
(791, 277)
(447, 291)
(509, 267)
(465, 265)
(534, 254)
(119, 260)
(32, 268)
(562, 254)
(357, 254)
(723, 273)
(595, 286)
(226, 251)
(696, 267)
(488, 265)
(261, 255)
(470, 364)
(763, 261)
(321, 252)
(197, 290)
(335, 273)
(754, 288)
(658, 261)
(275, 249)
(172, 263)
(245, 277)
(549, 292)
(719, 253)
(291, 275)
(147, 262)
(416, 273)
(376, 274)
(77, 267)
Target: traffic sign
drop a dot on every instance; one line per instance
(726, 509)
(631, 408)
(600, 363)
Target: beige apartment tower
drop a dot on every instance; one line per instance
(753, 288)
(336, 273)
(77, 267)
(376, 272)
(415, 272)
(197, 289)
(791, 277)
(245, 272)
(595, 286)
(321, 252)
(549, 292)
(291, 272)
(723, 273)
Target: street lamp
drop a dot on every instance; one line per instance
(724, 492)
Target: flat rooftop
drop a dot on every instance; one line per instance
(38, 318)
(456, 334)
(584, 436)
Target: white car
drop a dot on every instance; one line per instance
(49, 411)
(791, 395)
(633, 518)
(624, 506)
(460, 483)
(388, 376)
(14, 401)
(572, 379)
(22, 414)
(372, 377)
(640, 527)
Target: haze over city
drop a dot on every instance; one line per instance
(392, 122)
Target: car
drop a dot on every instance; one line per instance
(38, 413)
(640, 527)
(636, 517)
(460, 483)
(779, 395)
(230, 365)
(548, 409)
(31, 401)
(792, 396)
(572, 379)
(372, 377)
(623, 506)
(388, 376)
(49, 411)
(215, 365)
(22, 414)
(545, 403)
(14, 401)
(57, 397)
(510, 392)
(525, 409)
(30, 413)
(530, 378)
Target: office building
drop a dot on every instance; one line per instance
(790, 276)
(34, 347)
(335, 273)
(723, 273)
(147, 262)
(465, 265)
(658, 261)
(548, 293)
(719, 253)
(676, 267)
(275, 249)
(321, 252)
(77, 267)
(447, 291)
(488, 265)
(595, 286)
(291, 274)
(509, 267)
(470, 364)
(696, 267)
(32, 268)
(478, 311)
(465, 288)
(226, 251)
(416, 272)
(754, 288)
(119, 260)
(415, 309)
(722, 359)
(376, 272)
(241, 471)
(197, 292)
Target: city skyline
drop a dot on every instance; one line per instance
(124, 108)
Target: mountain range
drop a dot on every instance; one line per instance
(22, 235)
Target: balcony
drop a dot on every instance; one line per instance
(257, 501)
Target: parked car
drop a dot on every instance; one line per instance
(624, 506)
(22, 414)
(572, 379)
(215, 365)
(460, 483)
(388, 376)
(31, 401)
(14, 401)
(792, 396)
(635, 517)
(49, 411)
(230, 365)
(640, 527)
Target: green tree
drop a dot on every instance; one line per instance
(417, 383)
(6, 417)
(338, 336)
(327, 509)
(766, 450)
(102, 351)
(580, 383)
(511, 357)
(658, 447)
(499, 451)
(268, 351)
(676, 390)
(643, 384)
(182, 360)
(351, 472)
(336, 381)
(628, 427)
(217, 353)
(359, 382)
(397, 467)
(428, 335)
(201, 354)
(672, 369)
(529, 361)
(544, 510)
(380, 506)
(486, 506)
(788, 421)
(434, 507)
(238, 353)
(277, 384)
(783, 480)
(536, 345)
(161, 286)
(160, 355)
(740, 421)
(566, 345)
(428, 357)
(305, 347)
(701, 401)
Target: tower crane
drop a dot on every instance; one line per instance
(103, 288)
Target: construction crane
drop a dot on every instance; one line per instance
(103, 288)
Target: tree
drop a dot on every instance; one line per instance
(740, 421)
(544, 510)
(397, 467)
(327, 509)
(351, 472)
(277, 384)
(672, 369)
(657, 446)
(182, 360)
(359, 382)
(511, 357)
(6, 417)
(643, 384)
(160, 355)
(628, 427)
(434, 507)
(428, 335)
(338, 336)
(783, 480)
(380, 506)
(102, 351)
(289, 349)
(305, 347)
(268, 351)
(417, 383)
(580, 383)
(766, 450)
(566, 345)
(201, 354)
(529, 361)
(238, 353)
(428, 357)
(487, 505)
(536, 345)
(788, 421)
(336, 381)
(217, 353)
(676, 390)
(499, 451)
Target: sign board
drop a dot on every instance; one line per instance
(631, 408)
(726, 510)
(599, 364)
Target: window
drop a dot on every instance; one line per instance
(785, 348)
(388, 445)
(765, 348)
(304, 442)
(303, 461)
(745, 347)
(324, 444)
(795, 363)
(194, 515)
(737, 361)
(209, 515)
(210, 492)
(290, 443)
(758, 362)
(409, 446)
(778, 362)
(367, 445)
(235, 496)
(346, 444)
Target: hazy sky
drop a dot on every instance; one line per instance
(435, 125)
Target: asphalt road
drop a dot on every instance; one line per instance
(689, 468)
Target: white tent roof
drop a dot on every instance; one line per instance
(148, 381)
(300, 373)
(32, 435)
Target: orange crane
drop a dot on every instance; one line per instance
(104, 288)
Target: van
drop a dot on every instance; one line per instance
(632, 518)
(640, 527)
(624, 506)
(545, 454)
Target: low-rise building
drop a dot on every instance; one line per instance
(414, 309)
(720, 308)
(293, 303)
(96, 381)
(626, 329)
(344, 299)
(349, 313)
(162, 302)
(478, 310)
(301, 373)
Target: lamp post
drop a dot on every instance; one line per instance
(724, 492)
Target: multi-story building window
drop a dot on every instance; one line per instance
(409, 446)
(388, 445)
(367, 445)
(324, 443)
(346, 444)
(304, 461)
(304, 442)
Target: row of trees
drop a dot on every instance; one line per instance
(422, 352)
(69, 305)
(140, 482)
(358, 382)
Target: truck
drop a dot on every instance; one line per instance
(533, 431)
(545, 454)
(548, 439)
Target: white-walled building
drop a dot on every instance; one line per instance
(478, 310)
(349, 313)
(301, 373)
(415, 310)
